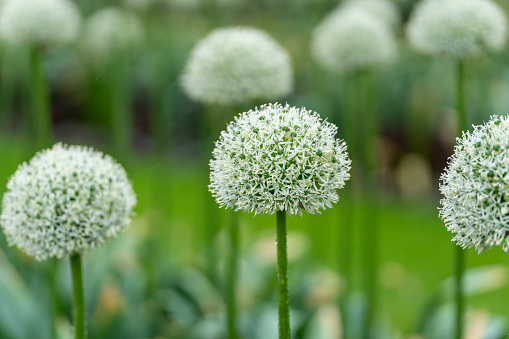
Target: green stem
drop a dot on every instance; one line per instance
(121, 122)
(78, 303)
(459, 269)
(460, 99)
(282, 277)
(460, 256)
(232, 276)
(40, 101)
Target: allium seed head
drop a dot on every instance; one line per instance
(109, 31)
(352, 39)
(39, 23)
(278, 158)
(475, 185)
(236, 65)
(459, 29)
(66, 200)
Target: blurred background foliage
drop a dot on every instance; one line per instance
(155, 280)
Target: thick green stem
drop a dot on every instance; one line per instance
(460, 256)
(232, 276)
(40, 101)
(282, 277)
(78, 302)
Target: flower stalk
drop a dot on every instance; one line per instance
(40, 100)
(233, 231)
(282, 276)
(78, 300)
(460, 255)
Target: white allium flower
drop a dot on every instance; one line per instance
(457, 28)
(278, 158)
(66, 200)
(475, 186)
(40, 23)
(234, 65)
(109, 31)
(382, 9)
(352, 39)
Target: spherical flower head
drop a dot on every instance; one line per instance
(236, 65)
(39, 23)
(66, 200)
(278, 158)
(386, 10)
(352, 39)
(475, 185)
(110, 31)
(459, 29)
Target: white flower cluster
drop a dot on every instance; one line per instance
(278, 158)
(67, 199)
(109, 31)
(236, 65)
(475, 186)
(39, 23)
(352, 39)
(386, 10)
(459, 29)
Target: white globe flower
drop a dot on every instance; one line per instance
(40, 23)
(475, 186)
(352, 39)
(236, 65)
(458, 29)
(278, 158)
(109, 31)
(386, 10)
(66, 200)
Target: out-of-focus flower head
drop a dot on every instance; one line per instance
(39, 23)
(110, 31)
(236, 65)
(459, 29)
(352, 39)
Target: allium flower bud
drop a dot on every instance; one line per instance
(459, 29)
(352, 39)
(475, 186)
(235, 65)
(109, 31)
(40, 23)
(66, 200)
(278, 158)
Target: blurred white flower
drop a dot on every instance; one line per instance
(40, 23)
(352, 39)
(110, 31)
(386, 10)
(475, 186)
(457, 28)
(66, 200)
(278, 158)
(235, 65)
